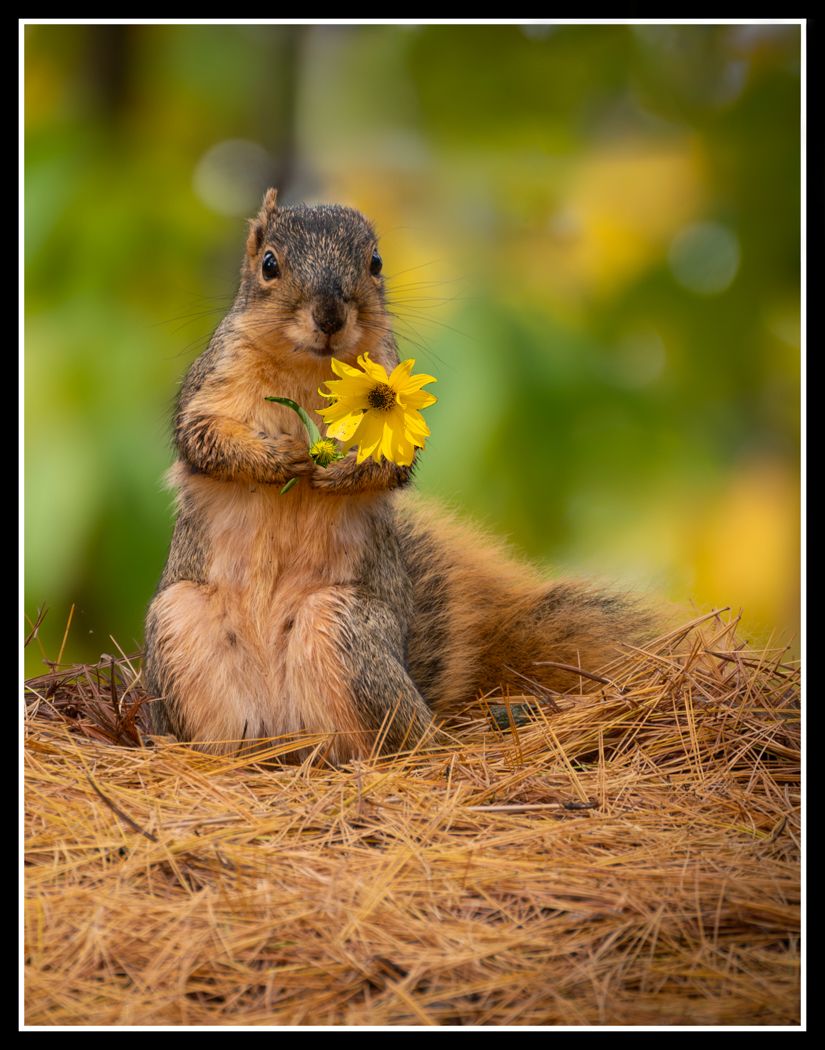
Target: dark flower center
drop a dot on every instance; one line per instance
(381, 397)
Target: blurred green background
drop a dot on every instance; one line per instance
(592, 239)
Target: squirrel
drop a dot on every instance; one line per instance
(344, 607)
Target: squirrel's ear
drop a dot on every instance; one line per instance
(255, 237)
(257, 226)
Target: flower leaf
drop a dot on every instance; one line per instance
(312, 430)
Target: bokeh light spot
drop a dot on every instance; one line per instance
(704, 257)
(231, 177)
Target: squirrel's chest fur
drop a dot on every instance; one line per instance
(269, 549)
(261, 545)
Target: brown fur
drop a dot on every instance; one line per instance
(487, 619)
(341, 607)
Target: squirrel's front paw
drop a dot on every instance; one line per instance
(334, 476)
(289, 456)
(347, 475)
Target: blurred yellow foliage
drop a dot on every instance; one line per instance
(607, 216)
(630, 201)
(745, 547)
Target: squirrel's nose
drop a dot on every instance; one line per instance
(329, 317)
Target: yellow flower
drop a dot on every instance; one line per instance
(378, 412)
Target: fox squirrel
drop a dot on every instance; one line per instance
(343, 606)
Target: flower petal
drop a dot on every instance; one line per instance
(401, 374)
(403, 450)
(344, 429)
(373, 369)
(366, 449)
(370, 432)
(415, 383)
(345, 371)
(389, 441)
(358, 386)
(419, 399)
(414, 424)
(335, 413)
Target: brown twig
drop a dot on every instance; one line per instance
(119, 812)
(35, 626)
(581, 673)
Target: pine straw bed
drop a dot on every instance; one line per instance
(628, 856)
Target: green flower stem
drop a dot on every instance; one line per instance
(321, 455)
(312, 430)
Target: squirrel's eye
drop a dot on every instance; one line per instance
(375, 264)
(270, 267)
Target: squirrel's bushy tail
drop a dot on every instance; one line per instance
(484, 618)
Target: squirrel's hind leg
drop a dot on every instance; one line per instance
(210, 684)
(345, 672)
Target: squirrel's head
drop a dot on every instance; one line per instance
(311, 278)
